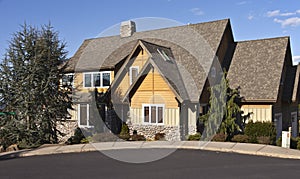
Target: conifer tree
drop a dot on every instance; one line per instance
(30, 86)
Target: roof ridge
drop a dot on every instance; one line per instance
(268, 38)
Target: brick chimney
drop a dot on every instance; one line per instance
(127, 28)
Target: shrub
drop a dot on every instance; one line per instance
(240, 138)
(137, 137)
(264, 140)
(294, 143)
(260, 129)
(124, 134)
(76, 138)
(278, 142)
(159, 136)
(196, 136)
(220, 137)
(298, 143)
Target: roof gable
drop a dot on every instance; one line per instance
(256, 68)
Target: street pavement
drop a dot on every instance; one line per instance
(180, 164)
(242, 148)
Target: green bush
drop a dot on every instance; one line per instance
(159, 136)
(196, 136)
(240, 138)
(298, 143)
(278, 142)
(124, 134)
(260, 129)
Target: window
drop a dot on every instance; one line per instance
(96, 79)
(133, 73)
(164, 55)
(86, 115)
(153, 113)
(67, 79)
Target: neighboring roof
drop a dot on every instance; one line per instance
(105, 52)
(256, 68)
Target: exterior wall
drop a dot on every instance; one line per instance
(171, 117)
(78, 83)
(66, 128)
(139, 62)
(171, 132)
(261, 113)
(154, 90)
(192, 123)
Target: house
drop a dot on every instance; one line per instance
(158, 80)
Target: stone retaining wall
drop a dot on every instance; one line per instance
(67, 128)
(172, 133)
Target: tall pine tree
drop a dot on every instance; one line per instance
(30, 86)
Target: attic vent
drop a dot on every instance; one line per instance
(163, 55)
(127, 28)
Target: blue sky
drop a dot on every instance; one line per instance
(78, 20)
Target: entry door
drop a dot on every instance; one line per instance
(294, 124)
(278, 124)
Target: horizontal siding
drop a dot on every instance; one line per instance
(261, 113)
(171, 116)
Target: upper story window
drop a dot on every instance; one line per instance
(133, 73)
(68, 79)
(96, 79)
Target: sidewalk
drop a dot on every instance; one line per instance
(243, 148)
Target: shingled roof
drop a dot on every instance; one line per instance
(193, 46)
(105, 52)
(257, 67)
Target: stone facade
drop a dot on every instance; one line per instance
(68, 127)
(172, 133)
(127, 28)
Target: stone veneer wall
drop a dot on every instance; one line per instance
(172, 133)
(67, 127)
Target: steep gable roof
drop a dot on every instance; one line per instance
(162, 59)
(256, 68)
(100, 52)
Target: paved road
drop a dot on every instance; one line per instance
(181, 164)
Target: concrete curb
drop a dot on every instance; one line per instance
(242, 148)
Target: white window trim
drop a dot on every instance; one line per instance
(92, 79)
(87, 116)
(130, 73)
(151, 105)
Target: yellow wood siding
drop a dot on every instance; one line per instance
(154, 90)
(139, 62)
(261, 113)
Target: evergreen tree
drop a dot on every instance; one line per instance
(225, 114)
(30, 86)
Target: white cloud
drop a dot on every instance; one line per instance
(250, 17)
(273, 13)
(293, 21)
(241, 3)
(197, 11)
(276, 13)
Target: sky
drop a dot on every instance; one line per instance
(79, 20)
